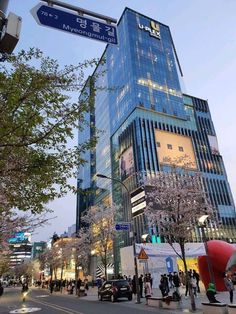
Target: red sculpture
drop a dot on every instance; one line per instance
(219, 253)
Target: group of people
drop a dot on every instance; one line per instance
(144, 285)
(176, 280)
(68, 285)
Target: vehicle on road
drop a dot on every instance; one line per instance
(115, 289)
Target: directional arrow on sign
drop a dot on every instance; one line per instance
(75, 24)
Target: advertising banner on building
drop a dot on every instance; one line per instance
(127, 163)
(171, 147)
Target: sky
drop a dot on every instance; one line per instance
(204, 33)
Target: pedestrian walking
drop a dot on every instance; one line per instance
(86, 284)
(187, 283)
(134, 290)
(147, 288)
(151, 279)
(51, 286)
(98, 281)
(69, 288)
(176, 282)
(1, 289)
(229, 286)
(140, 282)
(163, 286)
(170, 278)
(79, 282)
(197, 276)
(129, 279)
(193, 283)
(165, 278)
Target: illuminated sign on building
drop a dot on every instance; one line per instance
(138, 201)
(154, 29)
(20, 237)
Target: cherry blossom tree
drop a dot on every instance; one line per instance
(99, 222)
(64, 252)
(49, 260)
(176, 200)
(79, 249)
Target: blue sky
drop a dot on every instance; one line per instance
(204, 33)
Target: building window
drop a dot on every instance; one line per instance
(188, 117)
(158, 144)
(169, 146)
(181, 149)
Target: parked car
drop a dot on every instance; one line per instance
(115, 289)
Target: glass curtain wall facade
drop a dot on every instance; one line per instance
(144, 116)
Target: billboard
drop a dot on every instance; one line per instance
(126, 163)
(20, 237)
(172, 147)
(140, 198)
(138, 201)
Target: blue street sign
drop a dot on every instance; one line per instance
(74, 24)
(122, 226)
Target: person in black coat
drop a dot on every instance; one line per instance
(176, 282)
(1, 289)
(134, 291)
(140, 282)
(51, 286)
(163, 286)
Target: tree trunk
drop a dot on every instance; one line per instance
(62, 267)
(193, 305)
(105, 264)
(76, 274)
(51, 272)
(55, 273)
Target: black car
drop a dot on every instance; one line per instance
(115, 289)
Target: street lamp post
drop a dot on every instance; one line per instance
(202, 225)
(133, 235)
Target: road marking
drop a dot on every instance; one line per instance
(42, 296)
(57, 307)
(26, 310)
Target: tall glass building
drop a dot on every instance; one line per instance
(145, 118)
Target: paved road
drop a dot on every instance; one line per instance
(41, 301)
(57, 303)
